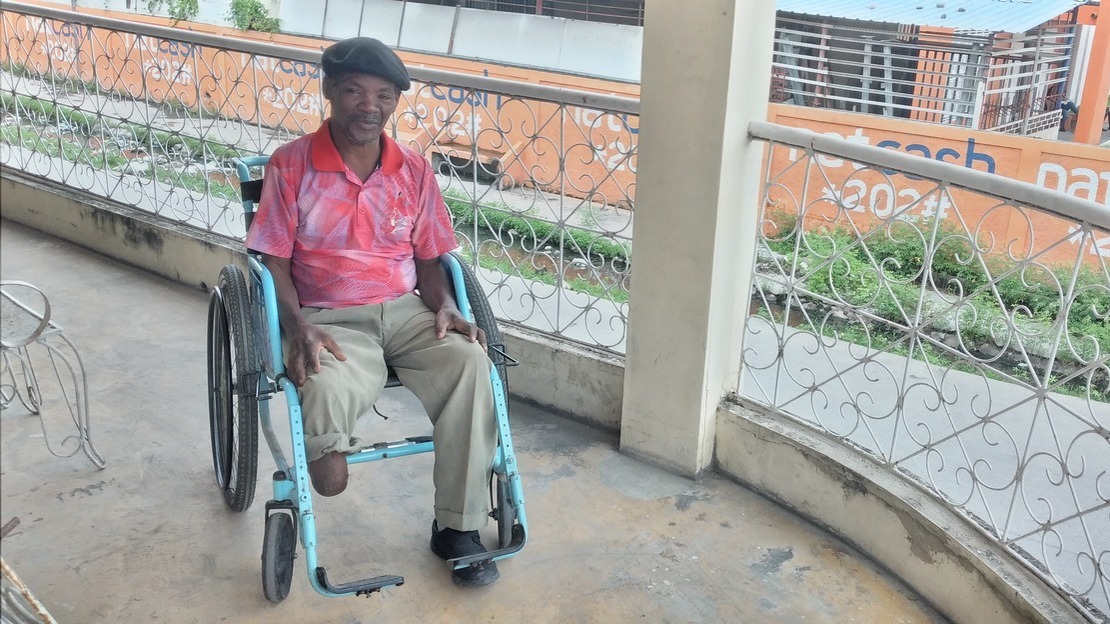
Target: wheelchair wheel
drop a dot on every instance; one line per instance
(279, 547)
(505, 513)
(483, 318)
(232, 403)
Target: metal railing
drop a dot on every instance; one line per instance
(952, 326)
(539, 180)
(629, 12)
(1023, 117)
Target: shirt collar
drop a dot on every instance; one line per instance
(325, 156)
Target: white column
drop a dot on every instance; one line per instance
(706, 73)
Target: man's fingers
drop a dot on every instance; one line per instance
(295, 370)
(331, 345)
(443, 323)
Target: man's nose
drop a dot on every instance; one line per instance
(365, 103)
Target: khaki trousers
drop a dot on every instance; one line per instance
(451, 377)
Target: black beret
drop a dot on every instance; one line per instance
(364, 55)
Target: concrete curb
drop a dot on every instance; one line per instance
(965, 575)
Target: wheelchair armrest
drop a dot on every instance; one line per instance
(452, 265)
(267, 324)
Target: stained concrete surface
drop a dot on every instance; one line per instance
(148, 539)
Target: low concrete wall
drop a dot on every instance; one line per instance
(181, 253)
(960, 572)
(576, 381)
(579, 382)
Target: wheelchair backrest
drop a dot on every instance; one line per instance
(250, 191)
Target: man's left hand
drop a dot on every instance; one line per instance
(450, 319)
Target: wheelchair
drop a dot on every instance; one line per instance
(246, 369)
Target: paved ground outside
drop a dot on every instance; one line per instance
(148, 538)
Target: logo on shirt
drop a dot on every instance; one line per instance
(398, 222)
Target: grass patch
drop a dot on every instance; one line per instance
(75, 129)
(500, 221)
(530, 233)
(894, 274)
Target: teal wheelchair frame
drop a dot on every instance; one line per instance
(246, 369)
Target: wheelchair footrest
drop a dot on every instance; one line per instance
(515, 545)
(358, 588)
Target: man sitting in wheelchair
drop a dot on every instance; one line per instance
(352, 225)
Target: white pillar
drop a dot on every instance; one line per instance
(706, 73)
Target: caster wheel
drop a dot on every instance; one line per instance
(279, 548)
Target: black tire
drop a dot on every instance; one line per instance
(232, 403)
(279, 548)
(505, 512)
(483, 318)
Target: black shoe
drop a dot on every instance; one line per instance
(452, 544)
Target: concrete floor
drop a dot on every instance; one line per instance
(149, 539)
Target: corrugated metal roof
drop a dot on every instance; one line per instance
(1014, 16)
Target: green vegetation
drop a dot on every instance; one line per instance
(987, 302)
(178, 10)
(502, 263)
(251, 15)
(529, 233)
(68, 84)
(90, 124)
(108, 144)
(501, 221)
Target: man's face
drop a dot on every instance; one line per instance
(360, 106)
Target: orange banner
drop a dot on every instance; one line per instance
(1078, 170)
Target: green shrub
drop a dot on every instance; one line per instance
(883, 271)
(251, 15)
(534, 233)
(178, 10)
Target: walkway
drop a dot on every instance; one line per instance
(148, 539)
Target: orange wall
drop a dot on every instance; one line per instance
(597, 148)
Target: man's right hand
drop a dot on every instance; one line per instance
(305, 343)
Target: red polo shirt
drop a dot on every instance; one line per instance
(350, 242)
